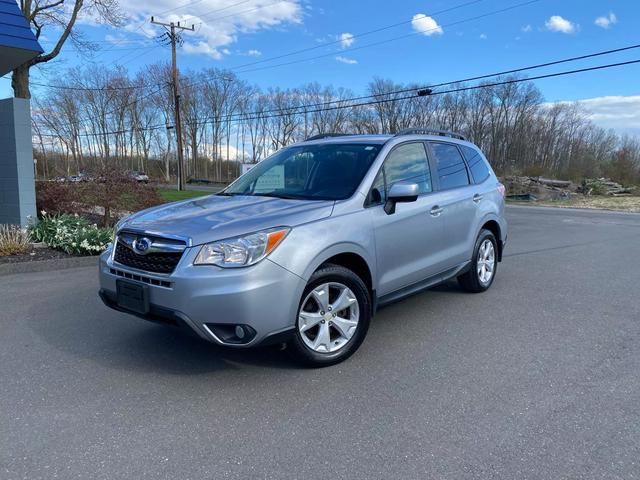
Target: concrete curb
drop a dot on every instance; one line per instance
(48, 265)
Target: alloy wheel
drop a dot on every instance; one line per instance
(328, 317)
(486, 262)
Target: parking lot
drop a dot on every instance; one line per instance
(537, 378)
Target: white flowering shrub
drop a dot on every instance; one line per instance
(71, 234)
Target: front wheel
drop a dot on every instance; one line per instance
(483, 264)
(333, 317)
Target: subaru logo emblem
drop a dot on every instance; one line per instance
(141, 245)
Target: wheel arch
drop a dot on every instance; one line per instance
(493, 226)
(349, 256)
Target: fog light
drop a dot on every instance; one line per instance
(231, 333)
(239, 332)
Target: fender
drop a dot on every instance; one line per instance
(337, 249)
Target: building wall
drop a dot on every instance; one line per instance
(17, 186)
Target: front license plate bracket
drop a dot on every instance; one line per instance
(132, 296)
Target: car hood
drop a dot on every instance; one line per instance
(215, 217)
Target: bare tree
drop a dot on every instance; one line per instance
(58, 16)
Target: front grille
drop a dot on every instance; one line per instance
(158, 262)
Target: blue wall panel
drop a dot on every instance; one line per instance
(17, 42)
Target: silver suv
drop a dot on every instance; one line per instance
(304, 247)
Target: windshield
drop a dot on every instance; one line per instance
(310, 172)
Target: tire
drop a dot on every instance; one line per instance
(473, 280)
(325, 327)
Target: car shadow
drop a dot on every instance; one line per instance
(90, 330)
(180, 351)
(120, 341)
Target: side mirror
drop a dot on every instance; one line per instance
(401, 192)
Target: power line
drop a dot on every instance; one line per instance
(259, 7)
(369, 45)
(91, 89)
(392, 39)
(359, 35)
(296, 52)
(206, 14)
(405, 90)
(302, 109)
(479, 77)
(138, 26)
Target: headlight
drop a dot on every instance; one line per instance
(241, 251)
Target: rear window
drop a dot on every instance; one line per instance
(477, 165)
(452, 171)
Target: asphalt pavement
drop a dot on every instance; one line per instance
(539, 378)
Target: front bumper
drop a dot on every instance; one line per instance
(208, 299)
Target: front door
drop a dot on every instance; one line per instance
(408, 242)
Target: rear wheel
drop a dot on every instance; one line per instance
(483, 265)
(333, 317)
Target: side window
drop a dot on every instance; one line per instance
(477, 164)
(452, 171)
(406, 163)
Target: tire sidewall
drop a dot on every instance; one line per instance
(335, 274)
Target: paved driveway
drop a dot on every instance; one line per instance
(538, 378)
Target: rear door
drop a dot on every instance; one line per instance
(410, 241)
(457, 201)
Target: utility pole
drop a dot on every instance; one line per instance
(174, 38)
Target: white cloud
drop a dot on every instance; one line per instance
(115, 39)
(202, 48)
(346, 39)
(421, 23)
(607, 20)
(254, 53)
(483, 36)
(527, 29)
(558, 24)
(218, 23)
(621, 113)
(348, 61)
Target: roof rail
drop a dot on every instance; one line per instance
(430, 131)
(325, 135)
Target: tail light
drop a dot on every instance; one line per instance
(503, 191)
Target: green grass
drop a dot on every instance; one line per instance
(171, 195)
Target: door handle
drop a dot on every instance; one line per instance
(436, 211)
(477, 197)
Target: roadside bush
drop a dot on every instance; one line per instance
(13, 240)
(107, 195)
(71, 234)
(54, 197)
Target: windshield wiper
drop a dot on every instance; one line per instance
(227, 194)
(279, 195)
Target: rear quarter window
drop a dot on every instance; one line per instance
(477, 164)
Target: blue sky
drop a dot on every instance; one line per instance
(231, 33)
